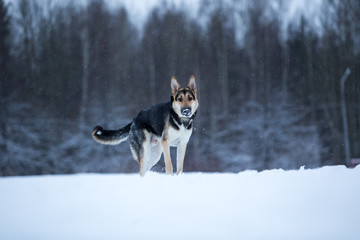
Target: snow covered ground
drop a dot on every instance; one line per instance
(305, 204)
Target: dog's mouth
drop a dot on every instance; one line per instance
(186, 112)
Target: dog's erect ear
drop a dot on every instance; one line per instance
(175, 86)
(192, 83)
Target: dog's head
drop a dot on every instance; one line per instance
(185, 102)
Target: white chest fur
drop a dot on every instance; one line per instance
(176, 136)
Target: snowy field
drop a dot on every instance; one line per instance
(305, 204)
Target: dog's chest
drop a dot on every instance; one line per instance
(176, 136)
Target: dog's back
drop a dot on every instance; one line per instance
(153, 118)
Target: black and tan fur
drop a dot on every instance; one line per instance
(154, 130)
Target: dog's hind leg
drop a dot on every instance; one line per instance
(139, 145)
(155, 151)
(142, 167)
(139, 157)
(144, 160)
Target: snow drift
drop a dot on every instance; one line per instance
(305, 204)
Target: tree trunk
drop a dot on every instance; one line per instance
(344, 117)
(85, 69)
(152, 71)
(223, 73)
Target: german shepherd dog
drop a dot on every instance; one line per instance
(154, 130)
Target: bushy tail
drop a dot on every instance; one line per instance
(111, 137)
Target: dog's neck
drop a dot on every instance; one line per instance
(177, 121)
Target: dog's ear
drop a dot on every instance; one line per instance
(175, 86)
(192, 83)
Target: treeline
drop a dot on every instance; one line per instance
(269, 98)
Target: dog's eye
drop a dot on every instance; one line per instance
(180, 99)
(190, 98)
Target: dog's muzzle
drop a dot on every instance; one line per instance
(186, 112)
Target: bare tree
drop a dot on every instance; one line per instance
(85, 66)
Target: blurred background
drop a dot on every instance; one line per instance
(268, 76)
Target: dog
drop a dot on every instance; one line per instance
(154, 130)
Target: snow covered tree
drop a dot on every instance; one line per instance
(277, 137)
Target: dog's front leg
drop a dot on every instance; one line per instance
(181, 149)
(166, 151)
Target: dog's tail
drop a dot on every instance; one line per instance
(111, 137)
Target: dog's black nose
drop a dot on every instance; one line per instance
(186, 112)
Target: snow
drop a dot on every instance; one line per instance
(320, 203)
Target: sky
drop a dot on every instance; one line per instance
(140, 9)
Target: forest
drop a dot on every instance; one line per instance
(269, 96)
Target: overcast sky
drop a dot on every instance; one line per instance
(139, 9)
